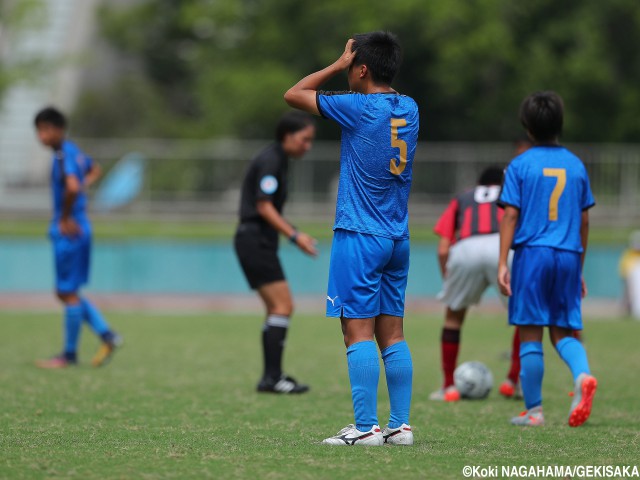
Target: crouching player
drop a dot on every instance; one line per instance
(468, 257)
(370, 250)
(547, 197)
(70, 231)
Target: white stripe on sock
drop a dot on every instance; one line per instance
(278, 321)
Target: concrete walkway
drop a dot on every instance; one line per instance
(172, 304)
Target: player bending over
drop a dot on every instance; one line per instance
(547, 197)
(468, 256)
(370, 250)
(264, 192)
(72, 172)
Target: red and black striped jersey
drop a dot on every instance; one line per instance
(474, 212)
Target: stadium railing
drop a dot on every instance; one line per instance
(203, 178)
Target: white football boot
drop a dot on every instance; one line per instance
(350, 435)
(398, 436)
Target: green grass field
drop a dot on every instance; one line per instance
(105, 228)
(178, 401)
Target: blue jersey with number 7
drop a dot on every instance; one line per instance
(550, 187)
(379, 136)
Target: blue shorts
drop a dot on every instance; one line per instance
(546, 287)
(72, 256)
(367, 275)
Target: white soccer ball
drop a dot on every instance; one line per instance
(473, 380)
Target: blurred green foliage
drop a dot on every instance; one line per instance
(219, 68)
(18, 17)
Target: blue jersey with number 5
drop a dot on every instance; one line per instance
(550, 187)
(379, 136)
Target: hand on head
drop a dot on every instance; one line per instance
(346, 59)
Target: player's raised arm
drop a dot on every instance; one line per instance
(303, 94)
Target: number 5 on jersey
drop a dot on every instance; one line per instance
(561, 175)
(398, 168)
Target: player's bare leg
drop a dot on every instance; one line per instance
(388, 330)
(357, 330)
(278, 302)
(453, 319)
(277, 298)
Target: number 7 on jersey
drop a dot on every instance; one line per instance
(561, 176)
(398, 168)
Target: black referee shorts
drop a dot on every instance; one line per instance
(258, 256)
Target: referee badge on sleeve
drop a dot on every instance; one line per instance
(269, 184)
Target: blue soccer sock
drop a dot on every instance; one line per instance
(364, 373)
(398, 368)
(574, 355)
(95, 319)
(72, 326)
(531, 373)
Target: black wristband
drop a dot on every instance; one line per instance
(294, 237)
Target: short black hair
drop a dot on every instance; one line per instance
(380, 52)
(292, 122)
(491, 176)
(542, 113)
(52, 116)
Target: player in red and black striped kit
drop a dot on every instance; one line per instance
(468, 256)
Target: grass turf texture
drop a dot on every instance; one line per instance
(178, 401)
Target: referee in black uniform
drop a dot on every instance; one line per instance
(264, 192)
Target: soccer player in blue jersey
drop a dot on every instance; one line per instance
(547, 197)
(70, 231)
(370, 250)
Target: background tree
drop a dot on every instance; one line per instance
(18, 18)
(209, 69)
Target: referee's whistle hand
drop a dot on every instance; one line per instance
(307, 244)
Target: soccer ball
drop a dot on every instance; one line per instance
(473, 380)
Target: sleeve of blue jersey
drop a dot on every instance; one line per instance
(345, 108)
(587, 196)
(510, 194)
(71, 166)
